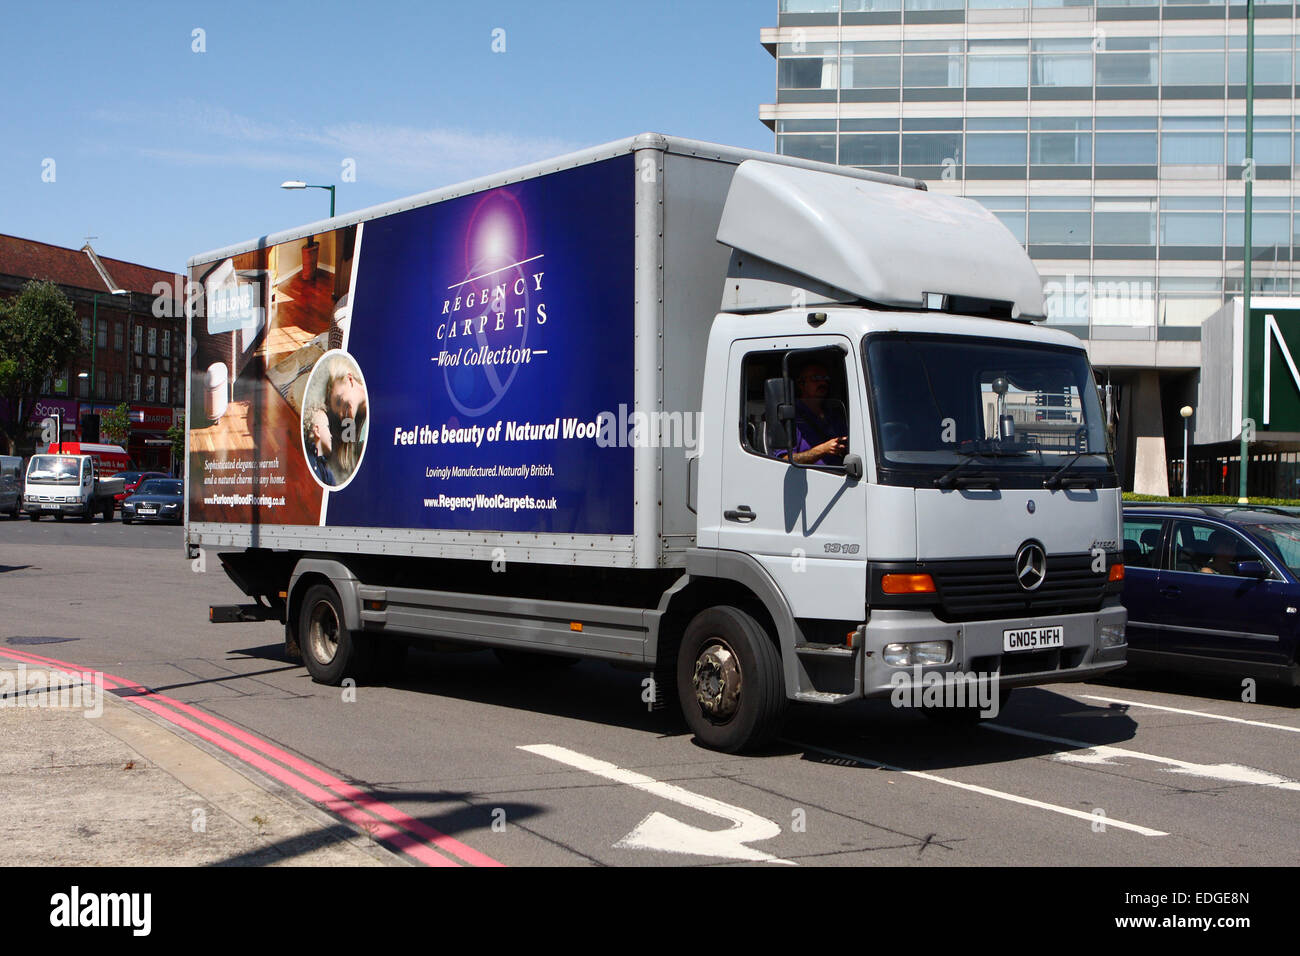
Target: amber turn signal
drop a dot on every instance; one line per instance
(1116, 573)
(907, 584)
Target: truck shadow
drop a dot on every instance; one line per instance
(589, 691)
(874, 730)
(1036, 722)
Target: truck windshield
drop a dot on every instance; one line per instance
(57, 469)
(1021, 413)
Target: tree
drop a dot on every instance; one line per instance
(115, 425)
(177, 435)
(39, 336)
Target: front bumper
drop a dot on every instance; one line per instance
(77, 508)
(977, 648)
(168, 517)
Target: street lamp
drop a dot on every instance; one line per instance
(1186, 412)
(94, 333)
(298, 184)
(1243, 486)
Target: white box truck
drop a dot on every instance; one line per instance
(768, 429)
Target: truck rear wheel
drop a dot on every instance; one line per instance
(729, 681)
(108, 510)
(331, 652)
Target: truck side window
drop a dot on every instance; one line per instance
(822, 415)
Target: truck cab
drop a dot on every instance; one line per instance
(964, 528)
(920, 471)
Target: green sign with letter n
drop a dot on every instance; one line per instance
(1274, 356)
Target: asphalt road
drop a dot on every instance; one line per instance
(566, 767)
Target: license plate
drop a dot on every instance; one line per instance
(1033, 638)
(49, 506)
(148, 511)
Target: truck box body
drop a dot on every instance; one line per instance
(546, 410)
(607, 273)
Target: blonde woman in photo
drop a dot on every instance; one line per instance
(345, 397)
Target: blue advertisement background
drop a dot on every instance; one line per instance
(577, 229)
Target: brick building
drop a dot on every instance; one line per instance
(134, 351)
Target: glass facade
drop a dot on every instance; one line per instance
(1107, 135)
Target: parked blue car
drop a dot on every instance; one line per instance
(1213, 589)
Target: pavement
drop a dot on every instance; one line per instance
(90, 779)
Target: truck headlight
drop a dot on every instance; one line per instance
(1112, 635)
(924, 652)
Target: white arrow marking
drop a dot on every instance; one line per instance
(1194, 713)
(986, 791)
(1104, 754)
(661, 832)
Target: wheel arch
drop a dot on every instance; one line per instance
(308, 572)
(733, 578)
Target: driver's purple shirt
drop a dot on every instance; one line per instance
(811, 430)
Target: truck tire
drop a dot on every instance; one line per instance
(108, 510)
(729, 681)
(331, 652)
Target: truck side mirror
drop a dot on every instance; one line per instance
(853, 467)
(778, 398)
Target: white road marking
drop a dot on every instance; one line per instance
(661, 832)
(974, 788)
(1193, 713)
(1105, 754)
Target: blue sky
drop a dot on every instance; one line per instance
(162, 152)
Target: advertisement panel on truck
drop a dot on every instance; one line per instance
(445, 367)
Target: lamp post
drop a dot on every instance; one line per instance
(1243, 486)
(94, 333)
(298, 184)
(1186, 412)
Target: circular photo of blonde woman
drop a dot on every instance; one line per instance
(335, 419)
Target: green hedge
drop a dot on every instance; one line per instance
(1211, 499)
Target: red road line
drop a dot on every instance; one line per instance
(158, 704)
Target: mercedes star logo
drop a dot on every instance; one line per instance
(1031, 565)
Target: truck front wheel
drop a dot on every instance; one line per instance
(330, 651)
(729, 681)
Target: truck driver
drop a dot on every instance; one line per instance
(820, 431)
